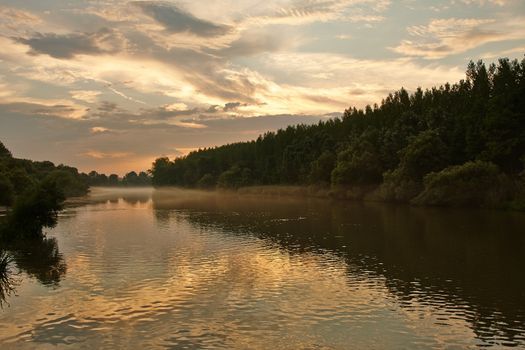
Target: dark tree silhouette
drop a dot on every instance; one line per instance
(396, 150)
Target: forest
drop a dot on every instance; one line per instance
(131, 179)
(454, 145)
(34, 191)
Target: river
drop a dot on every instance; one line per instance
(145, 269)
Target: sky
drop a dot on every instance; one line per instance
(111, 85)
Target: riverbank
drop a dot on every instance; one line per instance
(175, 259)
(377, 194)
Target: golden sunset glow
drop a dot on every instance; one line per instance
(102, 85)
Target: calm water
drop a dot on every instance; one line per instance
(142, 269)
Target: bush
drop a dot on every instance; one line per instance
(35, 209)
(235, 177)
(425, 153)
(6, 191)
(6, 281)
(321, 168)
(69, 184)
(397, 187)
(207, 181)
(474, 183)
(355, 168)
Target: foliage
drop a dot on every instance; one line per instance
(234, 177)
(392, 146)
(472, 183)
(35, 209)
(68, 181)
(424, 153)
(7, 284)
(34, 193)
(207, 182)
(7, 192)
(131, 179)
(19, 176)
(321, 168)
(4, 152)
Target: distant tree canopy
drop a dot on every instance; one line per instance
(131, 179)
(392, 147)
(19, 176)
(35, 192)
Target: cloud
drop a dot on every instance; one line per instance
(253, 43)
(176, 20)
(12, 18)
(307, 90)
(188, 124)
(484, 2)
(232, 106)
(106, 155)
(67, 46)
(516, 52)
(179, 106)
(85, 95)
(99, 130)
(300, 12)
(189, 74)
(445, 37)
(44, 108)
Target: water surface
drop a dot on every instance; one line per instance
(188, 270)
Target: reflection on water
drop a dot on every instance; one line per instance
(175, 269)
(37, 257)
(41, 259)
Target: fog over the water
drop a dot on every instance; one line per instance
(144, 268)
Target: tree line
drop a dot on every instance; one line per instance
(34, 191)
(129, 180)
(459, 144)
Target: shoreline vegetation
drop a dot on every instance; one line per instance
(32, 193)
(31, 196)
(453, 145)
(460, 145)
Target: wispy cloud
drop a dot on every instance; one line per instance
(85, 95)
(44, 107)
(444, 37)
(483, 2)
(106, 155)
(185, 74)
(176, 20)
(67, 46)
(99, 130)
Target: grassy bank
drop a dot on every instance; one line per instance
(509, 197)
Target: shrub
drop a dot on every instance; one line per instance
(475, 183)
(69, 184)
(7, 284)
(235, 177)
(6, 191)
(207, 181)
(35, 209)
(397, 187)
(321, 168)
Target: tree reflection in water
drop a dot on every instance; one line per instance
(463, 263)
(39, 258)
